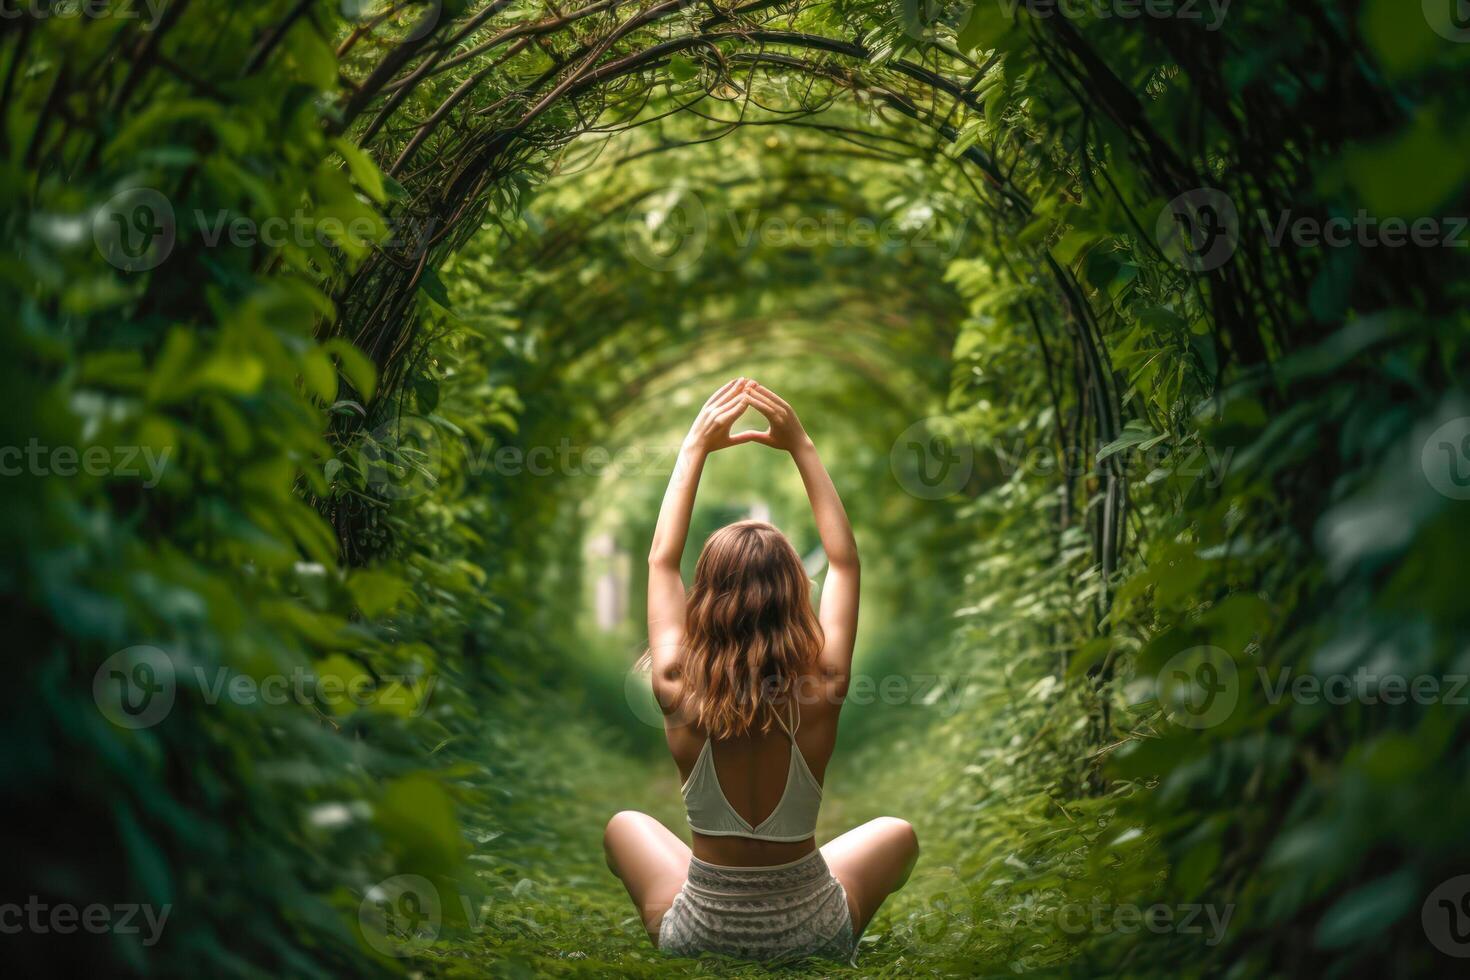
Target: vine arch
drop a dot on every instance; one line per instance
(271, 367)
(619, 57)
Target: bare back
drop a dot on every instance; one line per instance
(752, 775)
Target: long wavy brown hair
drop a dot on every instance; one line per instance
(749, 630)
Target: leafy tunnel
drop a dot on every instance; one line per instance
(403, 305)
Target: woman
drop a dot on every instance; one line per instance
(751, 681)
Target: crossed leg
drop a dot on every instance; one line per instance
(872, 861)
(652, 863)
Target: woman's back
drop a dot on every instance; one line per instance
(771, 791)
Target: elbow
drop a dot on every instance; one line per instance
(845, 555)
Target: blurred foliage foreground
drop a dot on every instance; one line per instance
(1136, 342)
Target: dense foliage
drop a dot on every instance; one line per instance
(298, 290)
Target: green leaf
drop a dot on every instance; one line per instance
(1035, 231)
(418, 819)
(342, 683)
(1399, 37)
(355, 366)
(433, 287)
(1412, 174)
(341, 217)
(147, 862)
(1236, 620)
(314, 60)
(394, 190)
(375, 591)
(426, 394)
(238, 374)
(363, 169)
(318, 374)
(1101, 267)
(995, 105)
(1161, 318)
(1367, 911)
(1073, 244)
(968, 137)
(1192, 873)
(1136, 433)
(986, 24)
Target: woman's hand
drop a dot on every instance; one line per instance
(711, 429)
(785, 431)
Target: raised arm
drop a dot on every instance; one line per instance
(839, 609)
(710, 432)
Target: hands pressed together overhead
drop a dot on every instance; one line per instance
(711, 429)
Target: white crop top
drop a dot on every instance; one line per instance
(795, 816)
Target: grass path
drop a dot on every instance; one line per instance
(552, 908)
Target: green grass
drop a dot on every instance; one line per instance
(551, 907)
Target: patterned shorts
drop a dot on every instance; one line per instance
(780, 913)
